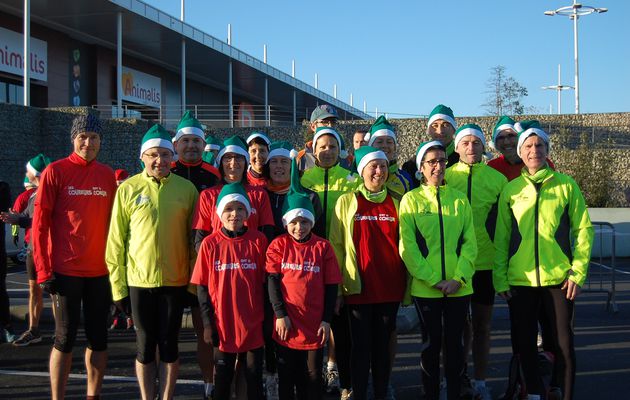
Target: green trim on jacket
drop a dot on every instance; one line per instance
(486, 184)
(543, 236)
(149, 242)
(437, 242)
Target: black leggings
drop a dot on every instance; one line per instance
(340, 326)
(525, 304)
(251, 362)
(95, 295)
(442, 317)
(157, 316)
(371, 328)
(299, 370)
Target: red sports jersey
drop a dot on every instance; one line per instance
(21, 202)
(383, 275)
(510, 171)
(305, 269)
(233, 270)
(71, 218)
(205, 217)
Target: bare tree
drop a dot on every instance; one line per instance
(505, 94)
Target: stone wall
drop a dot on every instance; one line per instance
(26, 131)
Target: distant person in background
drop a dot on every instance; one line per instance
(258, 149)
(213, 146)
(121, 176)
(34, 169)
(358, 139)
(19, 206)
(69, 234)
(6, 331)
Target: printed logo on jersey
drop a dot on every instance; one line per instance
(141, 199)
(94, 191)
(379, 217)
(308, 266)
(243, 264)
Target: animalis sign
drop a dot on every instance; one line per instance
(12, 55)
(141, 88)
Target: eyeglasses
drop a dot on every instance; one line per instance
(326, 122)
(436, 161)
(508, 136)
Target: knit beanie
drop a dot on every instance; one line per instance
(530, 128)
(281, 149)
(156, 136)
(85, 123)
(467, 130)
(442, 112)
(297, 203)
(365, 154)
(189, 125)
(37, 164)
(233, 144)
(233, 192)
(380, 127)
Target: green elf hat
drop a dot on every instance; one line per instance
(297, 203)
(467, 130)
(28, 184)
(380, 127)
(208, 157)
(324, 130)
(189, 125)
(529, 128)
(212, 143)
(365, 154)
(233, 192)
(233, 144)
(37, 164)
(156, 136)
(260, 135)
(281, 149)
(423, 148)
(442, 112)
(504, 122)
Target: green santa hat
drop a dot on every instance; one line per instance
(233, 192)
(504, 122)
(233, 144)
(365, 154)
(212, 143)
(297, 203)
(442, 112)
(281, 149)
(380, 127)
(467, 130)
(529, 128)
(37, 164)
(423, 148)
(28, 184)
(255, 135)
(156, 136)
(189, 125)
(324, 130)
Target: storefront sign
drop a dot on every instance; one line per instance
(141, 88)
(11, 55)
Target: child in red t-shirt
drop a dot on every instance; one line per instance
(229, 274)
(303, 282)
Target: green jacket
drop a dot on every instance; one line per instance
(482, 185)
(437, 239)
(544, 233)
(329, 184)
(341, 238)
(149, 242)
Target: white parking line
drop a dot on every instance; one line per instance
(116, 378)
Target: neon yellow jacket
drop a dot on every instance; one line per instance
(482, 185)
(329, 184)
(437, 239)
(544, 233)
(149, 242)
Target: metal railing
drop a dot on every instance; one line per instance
(603, 279)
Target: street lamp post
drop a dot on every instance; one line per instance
(574, 12)
(559, 88)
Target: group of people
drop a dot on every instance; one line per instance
(282, 254)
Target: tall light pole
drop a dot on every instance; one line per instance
(574, 12)
(559, 87)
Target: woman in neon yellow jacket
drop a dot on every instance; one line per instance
(438, 246)
(374, 282)
(543, 245)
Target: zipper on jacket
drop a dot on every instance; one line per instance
(536, 250)
(469, 192)
(441, 234)
(325, 196)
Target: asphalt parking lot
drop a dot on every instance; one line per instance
(602, 344)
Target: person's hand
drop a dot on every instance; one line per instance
(16, 240)
(338, 304)
(49, 286)
(572, 289)
(323, 332)
(440, 285)
(210, 336)
(507, 295)
(283, 326)
(9, 218)
(123, 305)
(451, 287)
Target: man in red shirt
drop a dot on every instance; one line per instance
(69, 233)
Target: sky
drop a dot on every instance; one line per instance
(404, 57)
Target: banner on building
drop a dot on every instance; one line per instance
(12, 55)
(141, 88)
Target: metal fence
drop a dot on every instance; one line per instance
(602, 272)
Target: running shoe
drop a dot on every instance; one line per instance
(28, 337)
(332, 381)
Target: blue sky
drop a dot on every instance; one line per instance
(404, 57)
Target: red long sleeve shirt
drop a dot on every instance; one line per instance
(71, 218)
